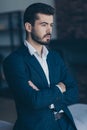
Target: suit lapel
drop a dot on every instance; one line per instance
(32, 61)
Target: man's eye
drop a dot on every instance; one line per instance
(51, 25)
(44, 25)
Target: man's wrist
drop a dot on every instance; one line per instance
(52, 106)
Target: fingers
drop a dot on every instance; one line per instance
(32, 85)
(62, 86)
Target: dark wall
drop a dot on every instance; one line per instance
(71, 17)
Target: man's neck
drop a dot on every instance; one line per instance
(38, 47)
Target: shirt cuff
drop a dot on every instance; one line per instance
(51, 106)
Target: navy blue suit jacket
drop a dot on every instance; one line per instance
(33, 111)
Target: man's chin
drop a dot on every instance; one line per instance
(44, 43)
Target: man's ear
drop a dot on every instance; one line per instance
(28, 27)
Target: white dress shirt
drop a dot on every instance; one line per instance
(42, 60)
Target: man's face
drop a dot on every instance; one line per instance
(42, 29)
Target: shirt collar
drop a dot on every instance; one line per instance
(33, 51)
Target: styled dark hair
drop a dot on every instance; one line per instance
(30, 14)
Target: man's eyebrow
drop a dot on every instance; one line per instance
(45, 23)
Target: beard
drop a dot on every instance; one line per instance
(39, 40)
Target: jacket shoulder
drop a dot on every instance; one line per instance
(16, 54)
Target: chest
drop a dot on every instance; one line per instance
(37, 75)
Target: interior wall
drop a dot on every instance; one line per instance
(11, 5)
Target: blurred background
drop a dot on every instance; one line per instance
(69, 39)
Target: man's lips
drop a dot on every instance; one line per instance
(47, 36)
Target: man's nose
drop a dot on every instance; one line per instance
(49, 29)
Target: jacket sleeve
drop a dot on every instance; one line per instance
(15, 74)
(71, 94)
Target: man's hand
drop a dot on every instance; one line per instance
(62, 87)
(32, 85)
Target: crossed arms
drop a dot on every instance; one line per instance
(60, 85)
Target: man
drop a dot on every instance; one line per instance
(38, 78)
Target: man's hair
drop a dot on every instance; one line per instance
(30, 14)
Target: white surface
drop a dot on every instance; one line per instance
(5, 125)
(79, 113)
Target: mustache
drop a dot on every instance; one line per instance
(48, 34)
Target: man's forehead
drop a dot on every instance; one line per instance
(45, 17)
